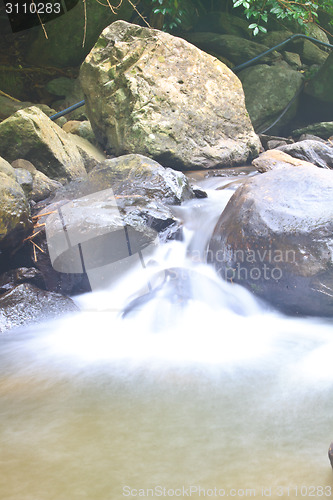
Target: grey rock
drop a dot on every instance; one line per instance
(162, 97)
(312, 151)
(320, 86)
(275, 238)
(15, 221)
(268, 90)
(25, 179)
(323, 130)
(30, 134)
(26, 304)
(6, 168)
(42, 186)
(233, 48)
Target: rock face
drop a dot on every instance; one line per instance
(31, 135)
(275, 238)
(15, 222)
(27, 304)
(150, 93)
(268, 90)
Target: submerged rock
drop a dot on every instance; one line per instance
(26, 304)
(151, 93)
(275, 238)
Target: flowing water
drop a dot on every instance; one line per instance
(197, 391)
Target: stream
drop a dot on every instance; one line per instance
(199, 390)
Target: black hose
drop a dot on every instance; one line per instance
(67, 110)
(293, 37)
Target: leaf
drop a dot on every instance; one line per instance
(253, 25)
(264, 30)
(255, 31)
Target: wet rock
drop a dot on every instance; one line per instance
(312, 151)
(126, 197)
(10, 279)
(42, 186)
(162, 97)
(268, 90)
(275, 238)
(15, 221)
(274, 158)
(323, 130)
(30, 134)
(235, 49)
(26, 304)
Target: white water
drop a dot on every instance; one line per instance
(209, 389)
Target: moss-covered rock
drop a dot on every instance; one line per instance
(31, 135)
(15, 221)
(150, 93)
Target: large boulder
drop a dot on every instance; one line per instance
(275, 238)
(15, 221)
(151, 93)
(31, 135)
(26, 304)
(268, 90)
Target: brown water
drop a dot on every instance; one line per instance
(195, 401)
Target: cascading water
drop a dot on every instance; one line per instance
(192, 389)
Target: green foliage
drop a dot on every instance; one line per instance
(171, 11)
(175, 12)
(302, 11)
